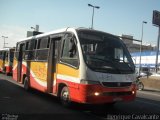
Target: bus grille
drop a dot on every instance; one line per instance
(117, 93)
(117, 84)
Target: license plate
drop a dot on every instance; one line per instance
(117, 99)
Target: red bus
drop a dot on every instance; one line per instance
(80, 65)
(6, 60)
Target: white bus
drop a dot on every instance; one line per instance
(80, 65)
(6, 60)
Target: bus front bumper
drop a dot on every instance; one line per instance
(98, 94)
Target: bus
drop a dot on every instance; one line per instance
(77, 65)
(6, 60)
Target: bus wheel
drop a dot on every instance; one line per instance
(26, 83)
(64, 96)
(7, 74)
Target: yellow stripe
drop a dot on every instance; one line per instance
(66, 70)
(6, 63)
(1, 63)
(39, 69)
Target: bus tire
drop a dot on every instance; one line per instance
(64, 97)
(7, 74)
(26, 84)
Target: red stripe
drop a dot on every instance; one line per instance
(36, 85)
(85, 93)
(8, 69)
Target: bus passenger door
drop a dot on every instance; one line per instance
(52, 60)
(20, 57)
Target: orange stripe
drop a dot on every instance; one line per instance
(66, 70)
(39, 69)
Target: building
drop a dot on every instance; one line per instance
(133, 46)
(148, 53)
(148, 59)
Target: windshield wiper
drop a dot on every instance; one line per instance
(119, 60)
(107, 60)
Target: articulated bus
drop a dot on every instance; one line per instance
(76, 64)
(6, 60)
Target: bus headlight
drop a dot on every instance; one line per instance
(89, 82)
(96, 93)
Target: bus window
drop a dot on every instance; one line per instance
(3, 55)
(22, 51)
(6, 57)
(18, 47)
(0, 55)
(30, 53)
(30, 45)
(27, 45)
(42, 50)
(69, 51)
(11, 56)
(43, 43)
(35, 44)
(48, 43)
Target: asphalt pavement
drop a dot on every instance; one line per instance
(18, 104)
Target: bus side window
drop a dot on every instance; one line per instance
(30, 45)
(16, 51)
(0, 55)
(29, 51)
(35, 44)
(27, 45)
(22, 52)
(43, 43)
(6, 58)
(48, 43)
(3, 55)
(69, 51)
(18, 47)
(42, 48)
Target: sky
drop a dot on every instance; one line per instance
(114, 16)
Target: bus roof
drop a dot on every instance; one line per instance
(47, 33)
(61, 31)
(6, 49)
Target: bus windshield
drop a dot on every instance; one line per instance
(103, 52)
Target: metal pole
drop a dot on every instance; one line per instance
(141, 47)
(92, 18)
(93, 13)
(4, 42)
(140, 58)
(157, 50)
(4, 37)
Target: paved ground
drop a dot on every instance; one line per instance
(151, 83)
(16, 103)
